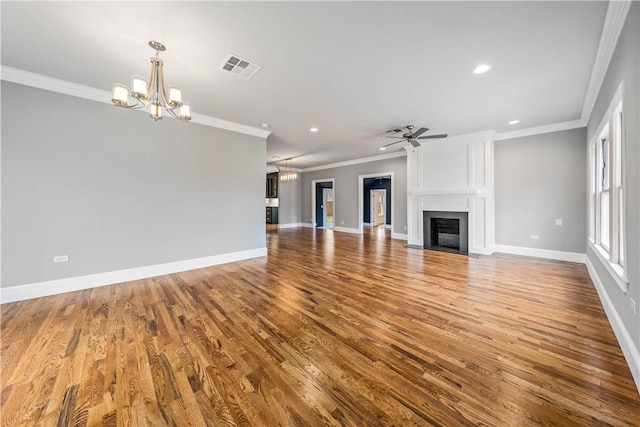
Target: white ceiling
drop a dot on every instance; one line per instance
(352, 69)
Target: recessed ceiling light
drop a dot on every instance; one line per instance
(313, 130)
(275, 157)
(483, 68)
(514, 122)
(383, 148)
(265, 125)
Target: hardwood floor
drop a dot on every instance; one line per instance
(330, 329)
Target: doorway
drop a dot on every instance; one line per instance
(327, 207)
(378, 207)
(367, 186)
(323, 203)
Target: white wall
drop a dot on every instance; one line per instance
(114, 190)
(290, 209)
(624, 66)
(540, 179)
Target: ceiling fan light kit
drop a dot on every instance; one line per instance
(154, 93)
(410, 136)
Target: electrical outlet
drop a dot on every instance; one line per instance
(341, 222)
(558, 221)
(61, 258)
(405, 228)
(632, 303)
(534, 237)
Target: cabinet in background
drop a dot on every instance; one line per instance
(272, 215)
(272, 185)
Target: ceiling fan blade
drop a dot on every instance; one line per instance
(419, 132)
(414, 143)
(392, 136)
(395, 142)
(444, 135)
(396, 130)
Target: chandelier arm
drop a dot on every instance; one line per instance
(136, 105)
(139, 104)
(153, 80)
(162, 92)
(173, 113)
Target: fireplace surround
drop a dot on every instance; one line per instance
(452, 175)
(446, 231)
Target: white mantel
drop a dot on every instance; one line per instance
(454, 175)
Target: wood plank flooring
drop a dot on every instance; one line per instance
(331, 329)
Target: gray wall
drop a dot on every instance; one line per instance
(114, 190)
(625, 67)
(538, 179)
(289, 194)
(346, 191)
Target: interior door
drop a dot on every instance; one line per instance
(327, 212)
(378, 207)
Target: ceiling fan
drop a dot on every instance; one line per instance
(410, 136)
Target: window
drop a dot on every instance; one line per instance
(603, 189)
(619, 178)
(606, 191)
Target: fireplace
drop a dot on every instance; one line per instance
(446, 231)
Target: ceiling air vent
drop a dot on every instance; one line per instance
(239, 66)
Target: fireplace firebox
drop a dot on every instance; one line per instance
(446, 231)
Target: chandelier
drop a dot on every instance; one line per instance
(287, 174)
(154, 93)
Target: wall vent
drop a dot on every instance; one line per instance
(240, 67)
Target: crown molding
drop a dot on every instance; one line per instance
(27, 78)
(356, 161)
(282, 165)
(617, 12)
(613, 24)
(555, 127)
(215, 122)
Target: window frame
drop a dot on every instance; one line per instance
(610, 135)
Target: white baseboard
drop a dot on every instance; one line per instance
(481, 251)
(338, 229)
(53, 287)
(399, 236)
(541, 253)
(368, 224)
(629, 349)
(292, 225)
(347, 230)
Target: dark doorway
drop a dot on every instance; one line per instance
(320, 205)
(379, 183)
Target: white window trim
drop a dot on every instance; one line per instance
(616, 270)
